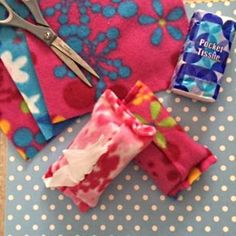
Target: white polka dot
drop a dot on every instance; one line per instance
(186, 128)
(45, 158)
(207, 208)
(213, 138)
(36, 187)
(18, 227)
(178, 118)
(231, 138)
(221, 109)
(69, 227)
(103, 207)
(204, 128)
(198, 218)
(111, 197)
(11, 198)
(27, 177)
(172, 228)
(225, 208)
(233, 219)
(111, 217)
(219, 13)
(154, 228)
(145, 217)
(228, 79)
(230, 118)
(18, 207)
(36, 168)
(195, 118)
(192, 5)
(128, 217)
(162, 198)
(60, 197)
(119, 207)
(212, 118)
(20, 168)
(221, 128)
(120, 227)
(216, 218)
(180, 218)
(61, 139)
(195, 138)
(128, 177)
(136, 187)
(52, 207)
(189, 228)
(186, 109)
(137, 227)
(52, 227)
(207, 229)
(44, 197)
(209, 4)
(203, 109)
(77, 217)
(27, 217)
(35, 207)
(229, 99)
(136, 167)
(119, 187)
(223, 168)
(189, 208)
(225, 229)
(215, 198)
(154, 207)
(229, 60)
(12, 178)
(206, 188)
(136, 207)
(27, 197)
(153, 187)
(94, 217)
(222, 148)
(85, 227)
(145, 197)
(233, 198)
(180, 198)
(145, 177)
(69, 207)
(12, 158)
(103, 227)
(35, 227)
(177, 100)
(163, 218)
(53, 149)
(70, 130)
(44, 217)
(171, 208)
(198, 198)
(224, 188)
(232, 178)
(10, 217)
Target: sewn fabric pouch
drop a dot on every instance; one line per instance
(122, 40)
(16, 120)
(173, 160)
(103, 148)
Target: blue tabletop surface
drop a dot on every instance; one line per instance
(132, 205)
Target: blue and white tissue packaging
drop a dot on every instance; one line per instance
(202, 63)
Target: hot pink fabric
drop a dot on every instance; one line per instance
(131, 48)
(174, 160)
(125, 136)
(15, 119)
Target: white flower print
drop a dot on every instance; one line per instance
(31, 102)
(15, 67)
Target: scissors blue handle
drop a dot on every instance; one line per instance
(42, 30)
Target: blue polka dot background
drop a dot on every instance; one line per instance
(132, 205)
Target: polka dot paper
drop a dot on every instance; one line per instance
(133, 205)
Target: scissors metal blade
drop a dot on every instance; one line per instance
(72, 65)
(64, 48)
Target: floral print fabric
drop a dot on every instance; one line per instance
(173, 160)
(121, 39)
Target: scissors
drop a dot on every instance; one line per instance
(44, 32)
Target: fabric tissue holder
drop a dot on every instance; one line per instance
(102, 149)
(174, 160)
(112, 37)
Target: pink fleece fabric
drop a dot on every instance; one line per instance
(174, 160)
(123, 41)
(124, 137)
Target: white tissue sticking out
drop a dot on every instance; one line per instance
(80, 163)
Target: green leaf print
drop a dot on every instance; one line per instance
(155, 109)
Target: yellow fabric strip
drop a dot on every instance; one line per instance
(3, 157)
